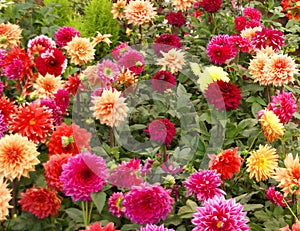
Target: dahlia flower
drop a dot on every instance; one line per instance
(166, 42)
(13, 69)
(33, 121)
(4, 201)
(117, 9)
(119, 50)
(53, 169)
(252, 14)
(91, 74)
(139, 12)
(271, 126)
(240, 23)
(115, 204)
(161, 131)
(163, 80)
(18, 156)
(250, 32)
(288, 177)
(96, 226)
(211, 5)
(57, 114)
(41, 202)
(69, 139)
(62, 100)
(218, 213)
(261, 163)
(7, 109)
(268, 37)
(127, 77)
(10, 35)
(82, 175)
(275, 197)
(72, 84)
(38, 44)
(3, 125)
(172, 61)
(155, 228)
(47, 86)
(147, 204)
(108, 72)
(226, 163)
(175, 18)
(133, 60)
(183, 5)
(64, 35)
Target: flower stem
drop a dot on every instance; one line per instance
(164, 153)
(90, 211)
(14, 197)
(292, 212)
(111, 137)
(84, 205)
(254, 139)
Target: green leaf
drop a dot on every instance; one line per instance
(252, 207)
(130, 227)
(75, 214)
(254, 108)
(99, 199)
(187, 210)
(255, 227)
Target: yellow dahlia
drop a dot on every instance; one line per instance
(80, 50)
(118, 9)
(10, 35)
(18, 156)
(139, 12)
(46, 86)
(270, 123)
(183, 5)
(172, 61)
(261, 163)
(5, 197)
(289, 177)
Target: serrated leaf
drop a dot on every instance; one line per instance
(99, 199)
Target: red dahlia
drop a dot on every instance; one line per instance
(175, 19)
(166, 42)
(211, 5)
(163, 80)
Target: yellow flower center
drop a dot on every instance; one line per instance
(219, 224)
(32, 122)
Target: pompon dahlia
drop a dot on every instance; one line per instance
(3, 125)
(226, 163)
(163, 80)
(80, 50)
(172, 61)
(33, 121)
(155, 228)
(82, 175)
(56, 112)
(18, 156)
(38, 44)
(8, 108)
(211, 5)
(53, 169)
(204, 184)
(268, 37)
(147, 204)
(51, 61)
(110, 108)
(183, 5)
(223, 95)
(166, 42)
(4, 201)
(220, 49)
(139, 12)
(271, 126)
(133, 60)
(115, 204)
(283, 105)
(275, 197)
(218, 213)
(47, 86)
(161, 131)
(280, 70)
(108, 72)
(10, 35)
(117, 9)
(73, 84)
(119, 50)
(69, 140)
(289, 177)
(261, 163)
(96, 226)
(62, 100)
(240, 23)
(64, 35)
(41, 202)
(252, 14)
(175, 18)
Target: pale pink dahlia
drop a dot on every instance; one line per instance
(108, 72)
(204, 184)
(155, 228)
(82, 175)
(115, 204)
(147, 204)
(220, 214)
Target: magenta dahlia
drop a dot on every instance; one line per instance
(115, 204)
(211, 5)
(204, 184)
(108, 72)
(252, 13)
(155, 228)
(64, 35)
(175, 19)
(13, 69)
(133, 60)
(82, 175)
(147, 204)
(220, 214)
(163, 80)
(240, 23)
(166, 42)
(62, 100)
(268, 37)
(56, 112)
(275, 197)
(3, 125)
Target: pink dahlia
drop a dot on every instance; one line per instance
(204, 184)
(175, 19)
(252, 13)
(133, 60)
(108, 72)
(96, 226)
(161, 131)
(220, 214)
(38, 44)
(13, 69)
(242, 44)
(155, 228)
(147, 204)
(220, 49)
(115, 204)
(284, 106)
(163, 80)
(56, 112)
(268, 37)
(118, 51)
(240, 23)
(166, 42)
(62, 100)
(3, 125)
(64, 35)
(275, 197)
(211, 5)
(51, 61)
(82, 175)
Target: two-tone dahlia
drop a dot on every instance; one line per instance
(47, 86)
(166, 42)
(64, 35)
(115, 204)
(108, 72)
(57, 114)
(172, 61)
(4, 201)
(155, 228)
(82, 175)
(268, 37)
(133, 60)
(36, 45)
(162, 81)
(275, 197)
(10, 35)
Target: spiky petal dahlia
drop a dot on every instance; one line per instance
(47, 86)
(204, 184)
(96, 226)
(18, 156)
(155, 228)
(7, 109)
(117, 9)
(64, 35)
(115, 204)
(82, 175)
(268, 37)
(220, 214)
(147, 204)
(41, 202)
(183, 5)
(172, 61)
(10, 35)
(261, 163)
(5, 197)
(139, 12)
(33, 121)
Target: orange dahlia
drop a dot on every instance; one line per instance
(127, 77)
(47, 86)
(261, 163)
(183, 5)
(10, 35)
(118, 9)
(289, 177)
(173, 60)
(271, 125)
(5, 197)
(18, 156)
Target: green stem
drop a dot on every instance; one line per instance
(283, 147)
(90, 211)
(14, 197)
(254, 139)
(111, 137)
(83, 203)
(292, 212)
(164, 152)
